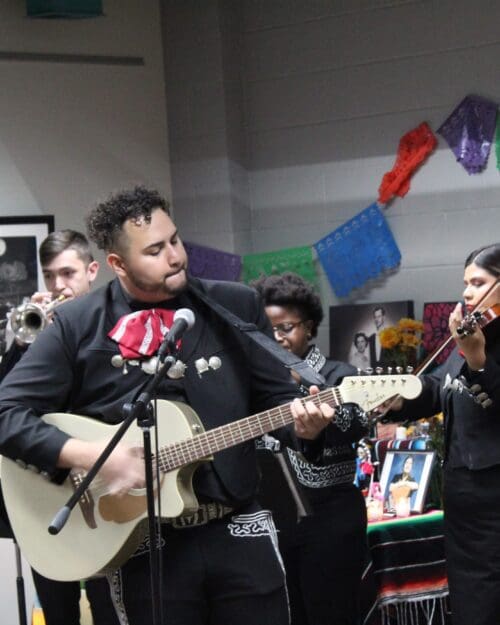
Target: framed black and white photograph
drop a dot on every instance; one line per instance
(354, 331)
(20, 270)
(405, 480)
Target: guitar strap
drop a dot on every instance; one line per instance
(308, 375)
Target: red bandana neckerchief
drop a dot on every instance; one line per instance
(139, 334)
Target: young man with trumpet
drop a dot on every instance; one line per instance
(69, 270)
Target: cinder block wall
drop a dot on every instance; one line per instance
(330, 88)
(82, 109)
(325, 90)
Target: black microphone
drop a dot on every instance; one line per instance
(183, 321)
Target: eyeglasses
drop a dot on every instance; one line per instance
(285, 328)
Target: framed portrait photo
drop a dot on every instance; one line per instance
(20, 270)
(354, 330)
(405, 480)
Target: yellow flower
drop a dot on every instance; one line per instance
(410, 325)
(389, 337)
(401, 341)
(410, 340)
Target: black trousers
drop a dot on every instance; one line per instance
(225, 572)
(472, 543)
(324, 556)
(60, 601)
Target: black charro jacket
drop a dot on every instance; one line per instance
(68, 369)
(476, 430)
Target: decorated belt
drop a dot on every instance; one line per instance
(319, 476)
(206, 512)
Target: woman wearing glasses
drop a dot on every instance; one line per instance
(325, 552)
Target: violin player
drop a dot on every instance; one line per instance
(471, 490)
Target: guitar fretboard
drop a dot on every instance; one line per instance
(185, 452)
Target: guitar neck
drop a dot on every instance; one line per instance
(185, 452)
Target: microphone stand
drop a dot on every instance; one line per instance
(140, 411)
(21, 597)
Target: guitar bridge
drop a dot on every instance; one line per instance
(86, 501)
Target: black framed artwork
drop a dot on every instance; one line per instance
(436, 331)
(354, 331)
(20, 270)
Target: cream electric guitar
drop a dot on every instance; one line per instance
(104, 530)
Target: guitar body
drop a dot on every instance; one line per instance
(102, 531)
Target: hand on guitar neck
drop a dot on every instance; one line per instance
(309, 418)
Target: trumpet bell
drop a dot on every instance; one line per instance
(27, 321)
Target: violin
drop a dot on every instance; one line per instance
(477, 319)
(469, 325)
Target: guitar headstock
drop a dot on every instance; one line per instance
(370, 391)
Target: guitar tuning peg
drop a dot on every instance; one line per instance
(379, 370)
(369, 370)
(359, 371)
(399, 370)
(409, 369)
(389, 370)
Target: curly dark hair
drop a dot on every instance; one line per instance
(291, 291)
(105, 221)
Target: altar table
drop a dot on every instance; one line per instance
(405, 581)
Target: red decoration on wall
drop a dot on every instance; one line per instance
(414, 147)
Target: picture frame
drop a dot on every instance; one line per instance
(405, 479)
(20, 270)
(350, 323)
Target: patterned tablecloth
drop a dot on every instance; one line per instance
(405, 582)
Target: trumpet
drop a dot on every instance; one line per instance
(28, 320)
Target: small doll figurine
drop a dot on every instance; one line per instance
(364, 466)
